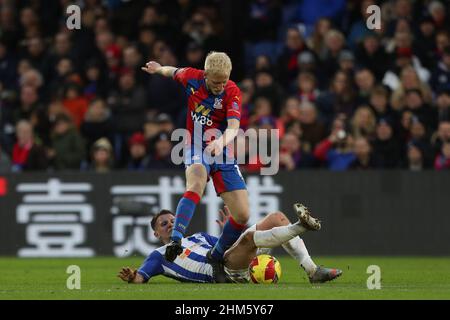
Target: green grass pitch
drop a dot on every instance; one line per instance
(401, 278)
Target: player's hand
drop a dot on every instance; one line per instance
(127, 274)
(214, 148)
(151, 67)
(224, 215)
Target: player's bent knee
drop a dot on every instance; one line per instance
(278, 218)
(198, 170)
(197, 187)
(247, 238)
(241, 217)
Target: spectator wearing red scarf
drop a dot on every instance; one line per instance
(27, 155)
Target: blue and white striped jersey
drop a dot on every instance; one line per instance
(190, 266)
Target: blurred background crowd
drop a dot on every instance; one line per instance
(342, 96)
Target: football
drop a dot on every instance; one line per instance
(265, 269)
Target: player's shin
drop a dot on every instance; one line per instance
(185, 211)
(296, 249)
(277, 236)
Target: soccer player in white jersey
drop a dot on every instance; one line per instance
(192, 266)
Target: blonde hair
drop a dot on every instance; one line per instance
(365, 129)
(218, 63)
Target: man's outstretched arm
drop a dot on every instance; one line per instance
(130, 275)
(153, 67)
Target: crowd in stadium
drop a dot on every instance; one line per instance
(343, 96)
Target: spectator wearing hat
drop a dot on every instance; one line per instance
(386, 146)
(137, 147)
(155, 125)
(101, 157)
(307, 62)
(263, 62)
(160, 156)
(67, 146)
(165, 123)
(346, 61)
(415, 157)
(194, 55)
(113, 56)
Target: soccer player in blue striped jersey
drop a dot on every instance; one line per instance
(192, 266)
